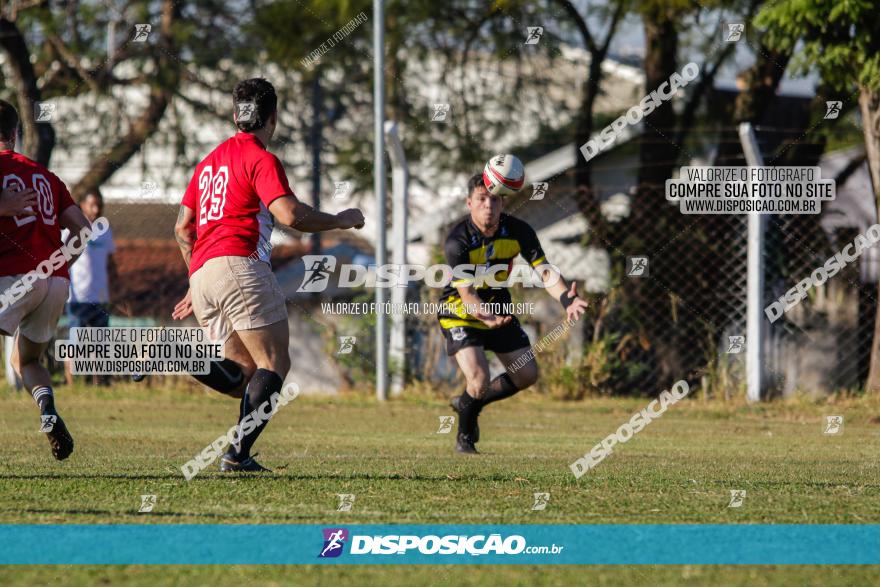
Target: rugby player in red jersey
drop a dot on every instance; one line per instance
(30, 307)
(236, 194)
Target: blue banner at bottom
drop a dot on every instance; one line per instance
(610, 544)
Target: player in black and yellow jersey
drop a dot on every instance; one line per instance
(473, 323)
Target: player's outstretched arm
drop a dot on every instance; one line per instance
(21, 203)
(74, 221)
(555, 284)
(293, 213)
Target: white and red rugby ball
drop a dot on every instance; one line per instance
(504, 175)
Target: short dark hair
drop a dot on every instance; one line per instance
(95, 193)
(262, 94)
(8, 121)
(474, 182)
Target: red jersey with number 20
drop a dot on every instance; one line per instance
(27, 241)
(230, 193)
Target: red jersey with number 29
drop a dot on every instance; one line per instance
(230, 193)
(27, 241)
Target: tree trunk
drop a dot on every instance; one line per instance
(758, 86)
(161, 93)
(39, 138)
(583, 181)
(651, 216)
(869, 103)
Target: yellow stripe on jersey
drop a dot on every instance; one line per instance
(503, 248)
(539, 261)
(453, 322)
(456, 306)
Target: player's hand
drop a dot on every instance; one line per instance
(183, 308)
(577, 307)
(14, 203)
(351, 218)
(494, 321)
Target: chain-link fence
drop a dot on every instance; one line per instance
(672, 302)
(669, 300)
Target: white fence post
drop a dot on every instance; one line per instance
(755, 282)
(399, 215)
(379, 187)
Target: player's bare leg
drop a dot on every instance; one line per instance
(26, 362)
(68, 373)
(481, 391)
(267, 346)
(514, 378)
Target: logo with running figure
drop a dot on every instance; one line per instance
(47, 423)
(334, 541)
(317, 275)
(737, 497)
(342, 189)
(141, 33)
(833, 425)
(541, 501)
(44, 111)
(346, 345)
(735, 31)
(736, 344)
(534, 34)
(440, 113)
(637, 266)
(539, 190)
(148, 502)
(446, 423)
(832, 109)
(346, 502)
(245, 111)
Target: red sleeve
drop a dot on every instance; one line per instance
(270, 181)
(191, 195)
(64, 199)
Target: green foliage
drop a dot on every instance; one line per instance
(617, 360)
(359, 365)
(841, 38)
(608, 367)
(429, 47)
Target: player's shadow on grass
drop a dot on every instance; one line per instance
(280, 476)
(133, 514)
(146, 515)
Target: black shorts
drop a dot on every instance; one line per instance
(506, 339)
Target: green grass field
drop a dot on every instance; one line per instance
(132, 440)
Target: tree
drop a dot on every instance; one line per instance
(39, 138)
(842, 41)
(119, 89)
(675, 307)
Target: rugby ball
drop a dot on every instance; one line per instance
(504, 175)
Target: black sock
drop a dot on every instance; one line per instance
(225, 376)
(260, 388)
(243, 406)
(469, 411)
(500, 388)
(45, 399)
